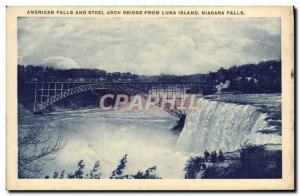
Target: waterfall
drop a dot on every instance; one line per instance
(219, 125)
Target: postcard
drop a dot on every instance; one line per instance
(148, 98)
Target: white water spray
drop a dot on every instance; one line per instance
(219, 125)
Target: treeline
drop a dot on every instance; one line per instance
(264, 77)
(33, 73)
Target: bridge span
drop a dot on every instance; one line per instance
(48, 93)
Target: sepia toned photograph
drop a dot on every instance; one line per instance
(143, 98)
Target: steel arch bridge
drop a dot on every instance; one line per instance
(48, 93)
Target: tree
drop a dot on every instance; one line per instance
(193, 167)
(62, 174)
(55, 175)
(148, 174)
(213, 157)
(221, 157)
(34, 150)
(258, 162)
(206, 155)
(95, 172)
(118, 172)
(79, 172)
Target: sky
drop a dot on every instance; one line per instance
(148, 46)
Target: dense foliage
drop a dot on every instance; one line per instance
(31, 73)
(95, 173)
(253, 161)
(197, 164)
(264, 77)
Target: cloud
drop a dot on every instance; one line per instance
(60, 62)
(150, 45)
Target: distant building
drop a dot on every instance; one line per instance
(220, 87)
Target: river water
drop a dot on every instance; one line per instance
(223, 122)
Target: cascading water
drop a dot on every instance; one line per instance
(226, 126)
